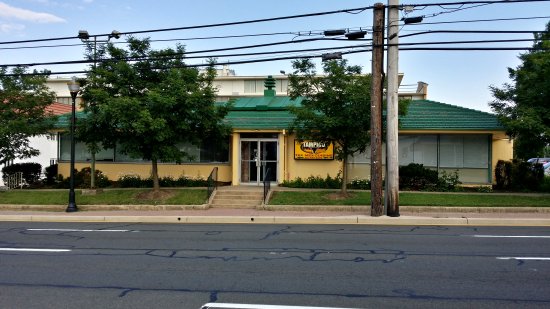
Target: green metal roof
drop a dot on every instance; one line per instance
(431, 115)
(264, 103)
(278, 119)
(64, 121)
(264, 113)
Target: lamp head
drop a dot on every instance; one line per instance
(73, 85)
(83, 35)
(114, 34)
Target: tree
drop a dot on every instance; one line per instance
(335, 107)
(148, 103)
(523, 106)
(23, 101)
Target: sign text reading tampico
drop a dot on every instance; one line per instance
(313, 150)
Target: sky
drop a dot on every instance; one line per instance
(460, 78)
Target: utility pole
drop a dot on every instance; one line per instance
(392, 162)
(377, 206)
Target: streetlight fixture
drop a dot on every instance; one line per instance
(74, 88)
(84, 36)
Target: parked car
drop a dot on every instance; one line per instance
(546, 168)
(539, 160)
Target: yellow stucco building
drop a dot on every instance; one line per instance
(437, 135)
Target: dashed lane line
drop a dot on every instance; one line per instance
(77, 230)
(34, 250)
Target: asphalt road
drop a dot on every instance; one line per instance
(88, 265)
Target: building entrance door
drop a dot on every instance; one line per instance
(258, 156)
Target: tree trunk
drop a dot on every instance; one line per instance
(155, 175)
(345, 177)
(92, 171)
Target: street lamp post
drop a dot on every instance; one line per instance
(84, 36)
(74, 88)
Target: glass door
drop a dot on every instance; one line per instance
(257, 157)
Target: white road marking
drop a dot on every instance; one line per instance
(525, 258)
(511, 236)
(250, 306)
(34, 250)
(75, 230)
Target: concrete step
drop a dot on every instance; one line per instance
(217, 201)
(233, 206)
(239, 196)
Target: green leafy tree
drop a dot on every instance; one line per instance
(23, 101)
(90, 127)
(147, 103)
(335, 107)
(523, 106)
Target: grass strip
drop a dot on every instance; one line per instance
(107, 197)
(410, 199)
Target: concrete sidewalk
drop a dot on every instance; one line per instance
(501, 216)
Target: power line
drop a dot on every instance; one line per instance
(305, 32)
(295, 33)
(279, 52)
(456, 10)
(468, 2)
(318, 56)
(471, 31)
(263, 53)
(476, 20)
(185, 53)
(361, 9)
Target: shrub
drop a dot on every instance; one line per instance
(417, 177)
(448, 181)
(359, 184)
(82, 179)
(85, 178)
(503, 172)
(135, 181)
(484, 189)
(51, 174)
(545, 185)
(526, 176)
(31, 171)
(315, 182)
(518, 176)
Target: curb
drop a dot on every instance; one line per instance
(344, 220)
(61, 208)
(365, 209)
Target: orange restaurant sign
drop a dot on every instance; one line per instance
(312, 150)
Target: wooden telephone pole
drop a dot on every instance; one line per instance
(377, 205)
(392, 163)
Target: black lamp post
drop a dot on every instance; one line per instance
(74, 88)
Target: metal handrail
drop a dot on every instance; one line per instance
(16, 180)
(267, 184)
(212, 182)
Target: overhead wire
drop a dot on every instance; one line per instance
(325, 13)
(477, 20)
(86, 61)
(189, 52)
(477, 48)
(243, 22)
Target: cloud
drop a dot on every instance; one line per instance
(7, 11)
(9, 28)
